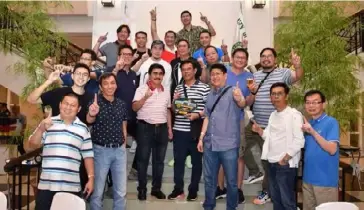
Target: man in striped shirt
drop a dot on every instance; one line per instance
(185, 136)
(263, 108)
(65, 140)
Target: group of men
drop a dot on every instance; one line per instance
(86, 132)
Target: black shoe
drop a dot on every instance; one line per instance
(220, 193)
(158, 194)
(142, 195)
(175, 195)
(241, 196)
(192, 196)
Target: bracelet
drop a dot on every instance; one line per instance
(202, 133)
(253, 93)
(154, 19)
(89, 176)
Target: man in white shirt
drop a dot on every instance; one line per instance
(142, 66)
(283, 140)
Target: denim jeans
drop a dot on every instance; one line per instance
(106, 159)
(183, 145)
(282, 186)
(151, 138)
(211, 163)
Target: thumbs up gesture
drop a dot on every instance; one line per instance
(295, 59)
(306, 127)
(94, 108)
(238, 95)
(47, 122)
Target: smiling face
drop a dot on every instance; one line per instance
(239, 60)
(211, 55)
(80, 76)
(188, 72)
(156, 76)
(127, 55)
(182, 48)
(218, 78)
(157, 51)
(205, 39)
(170, 39)
(314, 105)
(123, 35)
(69, 107)
(267, 59)
(141, 40)
(108, 86)
(87, 59)
(186, 19)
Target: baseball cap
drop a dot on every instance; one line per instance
(157, 42)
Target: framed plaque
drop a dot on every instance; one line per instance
(182, 106)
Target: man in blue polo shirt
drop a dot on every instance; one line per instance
(321, 158)
(236, 74)
(205, 41)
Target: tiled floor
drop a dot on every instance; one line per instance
(354, 194)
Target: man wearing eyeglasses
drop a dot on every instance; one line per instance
(262, 108)
(321, 168)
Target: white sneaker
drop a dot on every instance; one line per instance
(133, 147)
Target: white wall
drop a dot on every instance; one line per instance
(222, 14)
(8, 79)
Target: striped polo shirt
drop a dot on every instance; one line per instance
(63, 147)
(198, 93)
(154, 110)
(263, 106)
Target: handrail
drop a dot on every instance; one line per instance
(12, 163)
(354, 33)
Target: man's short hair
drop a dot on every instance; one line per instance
(189, 61)
(81, 65)
(156, 66)
(186, 12)
(210, 46)
(170, 32)
(121, 28)
(141, 32)
(157, 42)
(314, 92)
(183, 40)
(280, 84)
(205, 32)
(91, 52)
(121, 47)
(240, 50)
(219, 66)
(274, 52)
(106, 75)
(73, 95)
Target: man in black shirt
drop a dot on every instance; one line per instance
(52, 98)
(141, 39)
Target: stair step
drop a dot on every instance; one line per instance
(168, 186)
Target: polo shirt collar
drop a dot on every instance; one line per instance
(318, 120)
(105, 100)
(58, 118)
(196, 82)
(192, 27)
(152, 88)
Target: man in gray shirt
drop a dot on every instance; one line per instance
(110, 49)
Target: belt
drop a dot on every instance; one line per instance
(155, 125)
(108, 145)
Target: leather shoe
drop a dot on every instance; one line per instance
(158, 194)
(142, 195)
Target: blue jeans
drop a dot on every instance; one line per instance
(211, 163)
(184, 144)
(106, 159)
(282, 185)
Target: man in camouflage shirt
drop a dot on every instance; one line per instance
(191, 32)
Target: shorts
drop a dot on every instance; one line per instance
(242, 139)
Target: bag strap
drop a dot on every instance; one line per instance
(184, 90)
(218, 99)
(261, 83)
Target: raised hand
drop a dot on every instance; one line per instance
(200, 61)
(244, 43)
(203, 18)
(224, 47)
(120, 63)
(94, 107)
(102, 38)
(48, 62)
(54, 76)
(148, 94)
(306, 127)
(145, 57)
(153, 14)
(47, 122)
(136, 55)
(237, 94)
(295, 59)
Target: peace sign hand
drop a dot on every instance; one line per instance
(94, 108)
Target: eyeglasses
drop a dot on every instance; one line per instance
(313, 102)
(277, 94)
(266, 56)
(157, 73)
(85, 59)
(127, 54)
